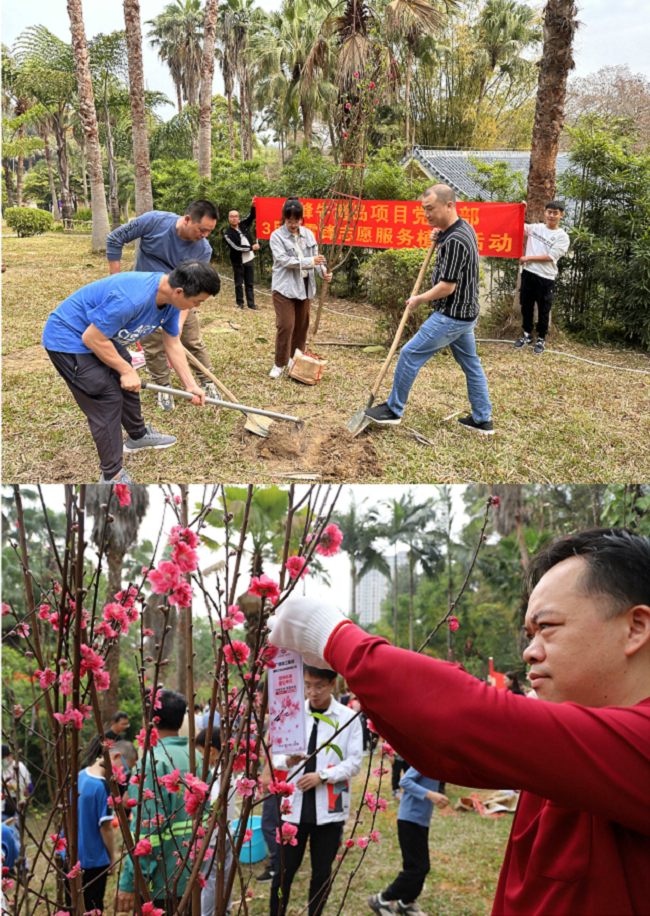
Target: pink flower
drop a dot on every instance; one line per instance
(7, 610)
(248, 836)
(387, 750)
(344, 134)
(362, 842)
(165, 578)
(73, 716)
(295, 566)
(131, 802)
(45, 678)
(285, 807)
(372, 85)
(43, 611)
(149, 909)
(280, 787)
(233, 618)
(329, 542)
(172, 781)
(65, 683)
(22, 630)
(349, 843)
(348, 106)
(102, 680)
(149, 795)
(194, 794)
(142, 847)
(265, 588)
(356, 76)
(185, 557)
(106, 630)
(74, 871)
(289, 832)
(178, 534)
(182, 594)
(177, 500)
(117, 613)
(237, 653)
(267, 655)
(495, 501)
(374, 836)
(90, 661)
(453, 623)
(123, 494)
(245, 786)
(59, 842)
(153, 737)
(120, 774)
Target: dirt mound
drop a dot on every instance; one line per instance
(330, 453)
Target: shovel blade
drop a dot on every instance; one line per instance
(299, 431)
(258, 425)
(366, 422)
(358, 422)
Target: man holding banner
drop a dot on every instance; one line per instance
(454, 290)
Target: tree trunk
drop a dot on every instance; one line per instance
(19, 171)
(126, 211)
(62, 168)
(411, 592)
(557, 60)
(84, 181)
(353, 602)
(112, 171)
(335, 152)
(249, 113)
(88, 119)
(395, 598)
(179, 95)
(9, 182)
(523, 548)
(50, 174)
(141, 164)
(205, 95)
(110, 702)
(407, 95)
(242, 112)
(306, 122)
(231, 126)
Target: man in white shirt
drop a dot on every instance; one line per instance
(321, 802)
(546, 244)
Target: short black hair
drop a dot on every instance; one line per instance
(555, 205)
(172, 713)
(292, 207)
(120, 714)
(126, 749)
(618, 566)
(6, 751)
(326, 673)
(195, 277)
(443, 193)
(200, 208)
(198, 706)
(233, 210)
(216, 738)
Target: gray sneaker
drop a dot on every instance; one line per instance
(121, 477)
(151, 439)
(165, 401)
(211, 390)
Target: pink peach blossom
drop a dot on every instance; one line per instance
(329, 542)
(164, 578)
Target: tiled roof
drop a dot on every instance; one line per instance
(453, 167)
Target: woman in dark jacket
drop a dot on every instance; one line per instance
(242, 255)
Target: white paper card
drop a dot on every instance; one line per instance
(287, 715)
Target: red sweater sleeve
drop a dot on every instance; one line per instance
(453, 727)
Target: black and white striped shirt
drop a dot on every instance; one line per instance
(457, 262)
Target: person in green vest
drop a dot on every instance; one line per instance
(171, 753)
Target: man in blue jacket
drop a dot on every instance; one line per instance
(413, 819)
(166, 239)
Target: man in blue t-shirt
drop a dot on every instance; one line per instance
(166, 239)
(86, 338)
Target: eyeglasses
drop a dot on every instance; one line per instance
(315, 689)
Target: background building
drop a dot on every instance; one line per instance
(372, 589)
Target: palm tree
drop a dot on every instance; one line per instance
(225, 55)
(177, 32)
(88, 119)
(360, 531)
(239, 18)
(424, 548)
(78, 134)
(559, 27)
(120, 536)
(141, 162)
(205, 96)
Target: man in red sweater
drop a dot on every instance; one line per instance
(580, 840)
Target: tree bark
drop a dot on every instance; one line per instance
(88, 119)
(395, 643)
(242, 112)
(306, 122)
(557, 60)
(205, 96)
(62, 168)
(353, 573)
(19, 171)
(231, 125)
(141, 163)
(249, 113)
(407, 95)
(112, 171)
(9, 184)
(411, 593)
(84, 180)
(50, 175)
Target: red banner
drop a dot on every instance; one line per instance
(401, 224)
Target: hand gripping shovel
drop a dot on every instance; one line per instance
(257, 425)
(359, 421)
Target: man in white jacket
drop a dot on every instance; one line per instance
(321, 802)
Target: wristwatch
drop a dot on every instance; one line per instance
(323, 775)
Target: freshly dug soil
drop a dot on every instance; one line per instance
(330, 452)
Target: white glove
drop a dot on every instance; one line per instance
(304, 625)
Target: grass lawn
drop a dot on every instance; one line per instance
(466, 855)
(556, 419)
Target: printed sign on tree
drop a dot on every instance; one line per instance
(287, 716)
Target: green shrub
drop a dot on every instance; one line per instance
(26, 221)
(84, 213)
(390, 276)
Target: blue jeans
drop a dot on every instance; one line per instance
(439, 331)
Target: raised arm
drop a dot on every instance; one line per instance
(120, 237)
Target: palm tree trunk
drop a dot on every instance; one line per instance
(306, 122)
(407, 96)
(50, 175)
(335, 152)
(242, 111)
(141, 164)
(112, 171)
(88, 119)
(84, 181)
(205, 97)
(249, 112)
(231, 126)
(395, 597)
(62, 167)
(179, 95)
(353, 573)
(9, 182)
(557, 60)
(19, 171)
(411, 591)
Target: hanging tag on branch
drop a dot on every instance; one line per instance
(287, 716)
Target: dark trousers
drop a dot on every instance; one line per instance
(535, 289)
(399, 767)
(108, 407)
(244, 279)
(270, 823)
(292, 324)
(93, 881)
(323, 845)
(414, 843)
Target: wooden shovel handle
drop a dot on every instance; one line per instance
(199, 365)
(402, 323)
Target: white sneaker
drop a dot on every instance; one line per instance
(276, 371)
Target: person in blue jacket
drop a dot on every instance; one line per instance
(420, 794)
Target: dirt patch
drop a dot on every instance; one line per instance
(31, 359)
(331, 453)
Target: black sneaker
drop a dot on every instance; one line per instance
(469, 423)
(526, 340)
(383, 414)
(539, 346)
(254, 308)
(240, 307)
(267, 875)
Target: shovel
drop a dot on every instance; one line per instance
(258, 426)
(359, 421)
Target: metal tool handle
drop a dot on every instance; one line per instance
(187, 395)
(402, 324)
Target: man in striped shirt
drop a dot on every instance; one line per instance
(454, 289)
